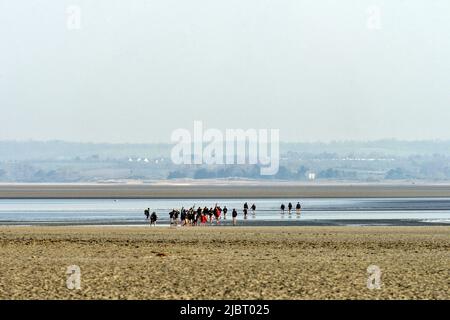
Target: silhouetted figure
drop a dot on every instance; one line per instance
(153, 219)
(210, 214)
(183, 217)
(171, 215)
(234, 216)
(176, 214)
(298, 207)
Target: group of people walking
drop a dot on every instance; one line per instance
(202, 216)
(298, 208)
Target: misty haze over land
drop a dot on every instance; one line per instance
(376, 161)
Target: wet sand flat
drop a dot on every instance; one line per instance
(221, 190)
(225, 262)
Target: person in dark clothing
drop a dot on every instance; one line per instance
(225, 210)
(210, 214)
(282, 208)
(153, 219)
(197, 219)
(298, 207)
(171, 215)
(245, 213)
(234, 216)
(253, 208)
(175, 216)
(246, 206)
(190, 216)
(147, 213)
(183, 217)
(290, 207)
(198, 216)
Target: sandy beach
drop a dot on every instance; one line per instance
(225, 263)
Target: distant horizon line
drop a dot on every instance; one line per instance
(171, 143)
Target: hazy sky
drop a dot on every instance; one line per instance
(136, 70)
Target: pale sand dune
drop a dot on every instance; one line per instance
(225, 263)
